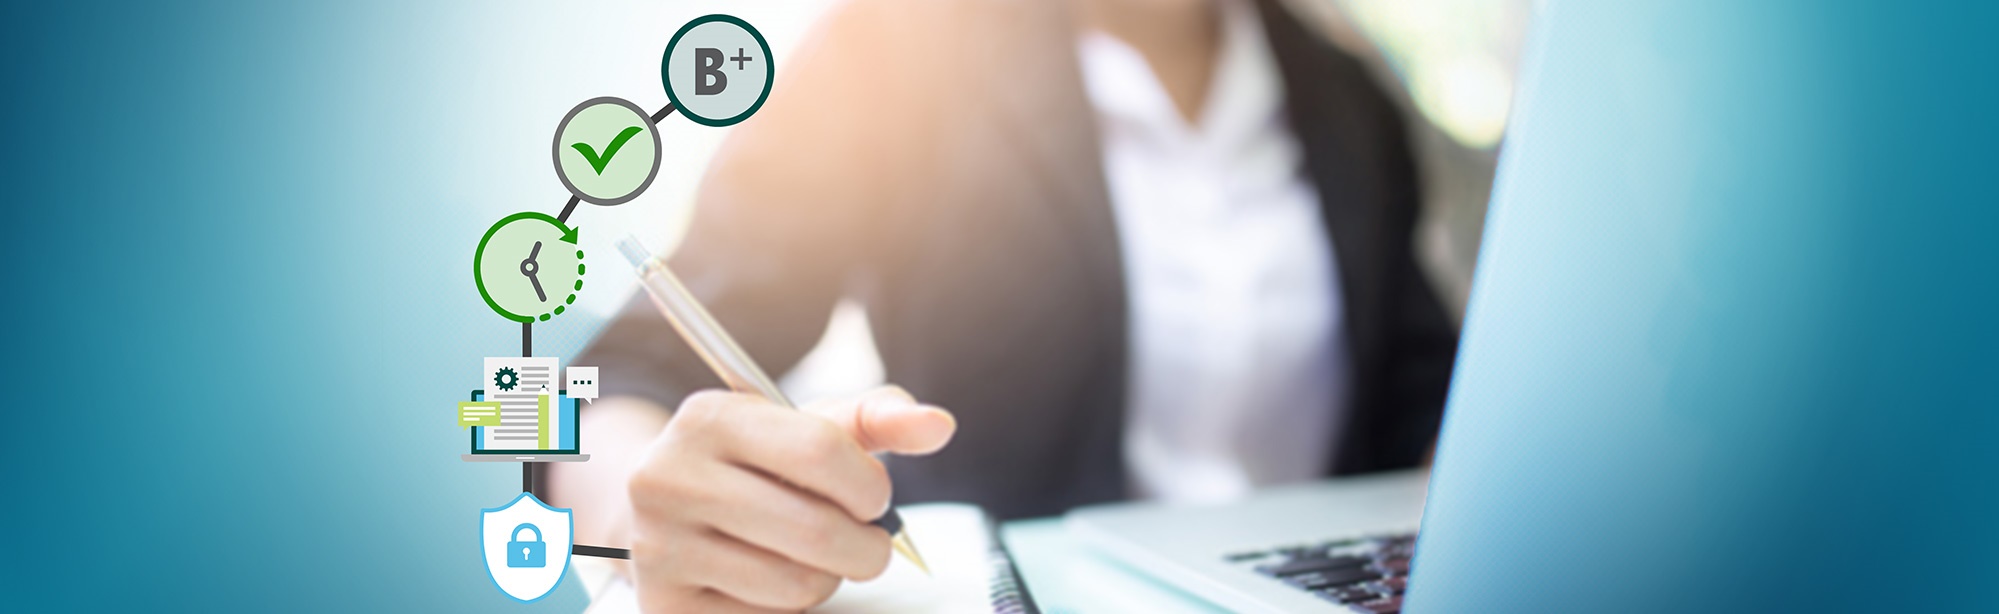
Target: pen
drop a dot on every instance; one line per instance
(727, 359)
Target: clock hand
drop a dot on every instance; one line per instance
(529, 267)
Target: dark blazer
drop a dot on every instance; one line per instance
(938, 161)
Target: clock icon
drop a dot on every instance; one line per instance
(528, 267)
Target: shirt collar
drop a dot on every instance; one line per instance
(1244, 94)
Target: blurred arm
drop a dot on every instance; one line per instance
(789, 211)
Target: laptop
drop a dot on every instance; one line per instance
(1727, 349)
(1336, 546)
(566, 447)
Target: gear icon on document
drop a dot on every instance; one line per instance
(506, 379)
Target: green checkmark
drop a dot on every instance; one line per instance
(591, 176)
(599, 162)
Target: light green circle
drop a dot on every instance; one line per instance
(626, 170)
(497, 267)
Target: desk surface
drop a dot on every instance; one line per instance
(1064, 577)
(1067, 578)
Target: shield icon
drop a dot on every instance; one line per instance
(526, 546)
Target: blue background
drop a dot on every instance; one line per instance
(1731, 337)
(240, 309)
(241, 322)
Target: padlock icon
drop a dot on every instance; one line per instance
(524, 553)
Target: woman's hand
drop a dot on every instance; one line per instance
(741, 505)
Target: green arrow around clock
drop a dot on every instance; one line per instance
(568, 236)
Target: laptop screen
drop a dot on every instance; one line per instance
(564, 427)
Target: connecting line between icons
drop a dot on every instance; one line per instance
(601, 552)
(568, 208)
(661, 115)
(527, 351)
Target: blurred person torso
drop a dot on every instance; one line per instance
(1114, 300)
(1237, 371)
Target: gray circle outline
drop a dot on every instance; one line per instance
(770, 70)
(555, 150)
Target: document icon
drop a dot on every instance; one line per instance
(525, 388)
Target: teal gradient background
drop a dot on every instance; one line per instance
(241, 304)
(244, 310)
(1730, 344)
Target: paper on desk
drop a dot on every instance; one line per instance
(955, 539)
(957, 543)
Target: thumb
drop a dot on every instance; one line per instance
(887, 419)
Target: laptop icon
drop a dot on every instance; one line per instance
(498, 444)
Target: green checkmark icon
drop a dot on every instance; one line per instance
(605, 129)
(597, 162)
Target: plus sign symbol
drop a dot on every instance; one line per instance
(717, 70)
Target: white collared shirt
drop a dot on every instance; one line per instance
(1239, 372)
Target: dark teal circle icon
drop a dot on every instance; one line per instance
(711, 70)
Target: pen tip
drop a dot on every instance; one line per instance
(900, 541)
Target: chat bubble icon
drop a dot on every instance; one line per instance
(478, 413)
(582, 383)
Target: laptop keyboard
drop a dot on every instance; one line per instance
(1365, 574)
